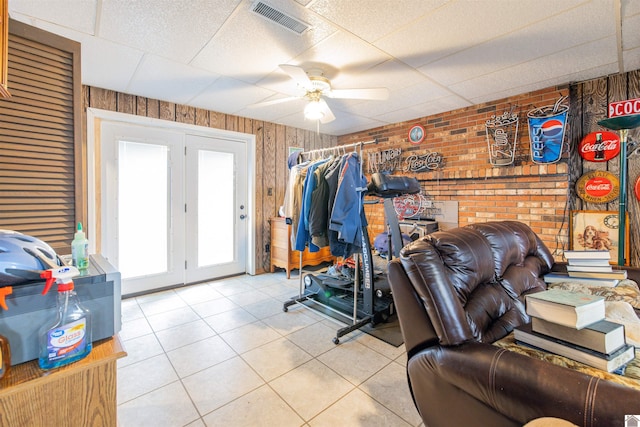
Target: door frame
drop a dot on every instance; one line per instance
(95, 117)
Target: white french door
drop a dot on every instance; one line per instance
(216, 207)
(174, 206)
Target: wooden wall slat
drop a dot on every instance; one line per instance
(263, 232)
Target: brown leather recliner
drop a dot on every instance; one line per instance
(458, 291)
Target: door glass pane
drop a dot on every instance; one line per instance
(142, 209)
(215, 208)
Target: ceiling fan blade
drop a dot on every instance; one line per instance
(297, 74)
(378, 93)
(328, 114)
(272, 102)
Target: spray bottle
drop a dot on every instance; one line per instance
(80, 249)
(69, 338)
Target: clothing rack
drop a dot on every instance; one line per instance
(356, 323)
(339, 148)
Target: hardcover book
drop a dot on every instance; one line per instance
(607, 362)
(569, 255)
(566, 308)
(600, 268)
(616, 274)
(588, 281)
(602, 336)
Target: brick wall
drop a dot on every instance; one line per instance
(534, 194)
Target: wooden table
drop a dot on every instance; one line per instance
(80, 394)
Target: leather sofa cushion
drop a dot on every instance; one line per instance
(472, 280)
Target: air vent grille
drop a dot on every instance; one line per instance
(274, 15)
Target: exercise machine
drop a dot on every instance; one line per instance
(366, 297)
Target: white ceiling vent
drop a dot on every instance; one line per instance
(290, 23)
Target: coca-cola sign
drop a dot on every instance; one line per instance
(598, 187)
(624, 108)
(599, 146)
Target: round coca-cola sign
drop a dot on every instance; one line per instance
(600, 146)
(598, 187)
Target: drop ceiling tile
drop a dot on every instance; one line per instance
(98, 56)
(78, 15)
(460, 25)
(174, 29)
(560, 32)
(167, 80)
(228, 95)
(391, 15)
(431, 107)
(631, 59)
(630, 8)
(261, 45)
(341, 55)
(391, 74)
(562, 66)
(412, 95)
(631, 32)
(275, 112)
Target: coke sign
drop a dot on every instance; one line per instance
(598, 187)
(599, 146)
(624, 108)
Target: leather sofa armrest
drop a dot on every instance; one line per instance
(416, 327)
(516, 386)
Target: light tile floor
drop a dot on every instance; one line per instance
(224, 353)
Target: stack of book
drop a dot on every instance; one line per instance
(573, 325)
(589, 268)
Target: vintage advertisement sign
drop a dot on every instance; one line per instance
(546, 131)
(598, 187)
(385, 161)
(599, 146)
(416, 134)
(624, 108)
(502, 133)
(423, 162)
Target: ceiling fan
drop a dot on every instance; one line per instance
(316, 87)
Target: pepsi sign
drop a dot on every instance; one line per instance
(624, 108)
(546, 133)
(599, 146)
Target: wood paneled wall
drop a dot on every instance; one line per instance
(272, 147)
(589, 101)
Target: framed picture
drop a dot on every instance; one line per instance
(597, 230)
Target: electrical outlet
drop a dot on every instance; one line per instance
(269, 191)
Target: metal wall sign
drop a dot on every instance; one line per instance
(598, 187)
(384, 161)
(502, 136)
(423, 162)
(599, 146)
(546, 131)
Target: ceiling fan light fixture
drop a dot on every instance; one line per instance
(313, 111)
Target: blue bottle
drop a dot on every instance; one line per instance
(68, 339)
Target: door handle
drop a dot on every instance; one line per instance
(243, 216)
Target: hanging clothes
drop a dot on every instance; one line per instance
(293, 196)
(346, 221)
(319, 213)
(303, 237)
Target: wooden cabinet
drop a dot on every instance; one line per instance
(82, 393)
(284, 257)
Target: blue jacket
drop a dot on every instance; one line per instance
(345, 217)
